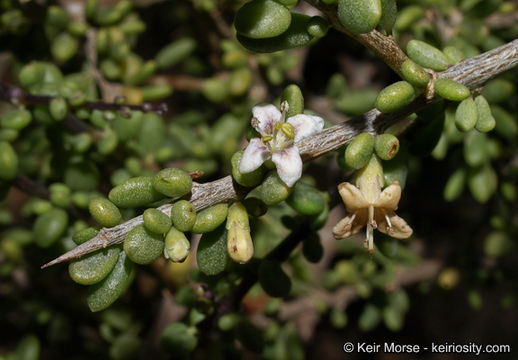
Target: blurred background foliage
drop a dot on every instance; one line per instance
(453, 281)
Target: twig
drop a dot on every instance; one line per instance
(180, 82)
(472, 72)
(383, 46)
(16, 95)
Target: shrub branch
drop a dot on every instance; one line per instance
(383, 46)
(472, 73)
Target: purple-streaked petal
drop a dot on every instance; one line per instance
(289, 165)
(255, 154)
(306, 125)
(266, 116)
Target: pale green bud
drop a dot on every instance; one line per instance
(239, 242)
(176, 246)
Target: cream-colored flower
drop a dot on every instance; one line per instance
(369, 206)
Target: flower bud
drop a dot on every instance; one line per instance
(395, 96)
(359, 16)
(466, 115)
(143, 246)
(386, 146)
(451, 90)
(426, 55)
(239, 242)
(359, 150)
(176, 246)
(105, 212)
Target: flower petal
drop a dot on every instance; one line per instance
(389, 198)
(289, 165)
(255, 154)
(352, 197)
(349, 226)
(305, 125)
(399, 229)
(266, 116)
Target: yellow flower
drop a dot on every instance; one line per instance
(368, 206)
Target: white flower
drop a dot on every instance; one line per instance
(278, 141)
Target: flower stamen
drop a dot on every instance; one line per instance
(372, 222)
(369, 239)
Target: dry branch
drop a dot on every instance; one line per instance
(472, 73)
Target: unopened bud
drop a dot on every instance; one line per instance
(176, 246)
(239, 242)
